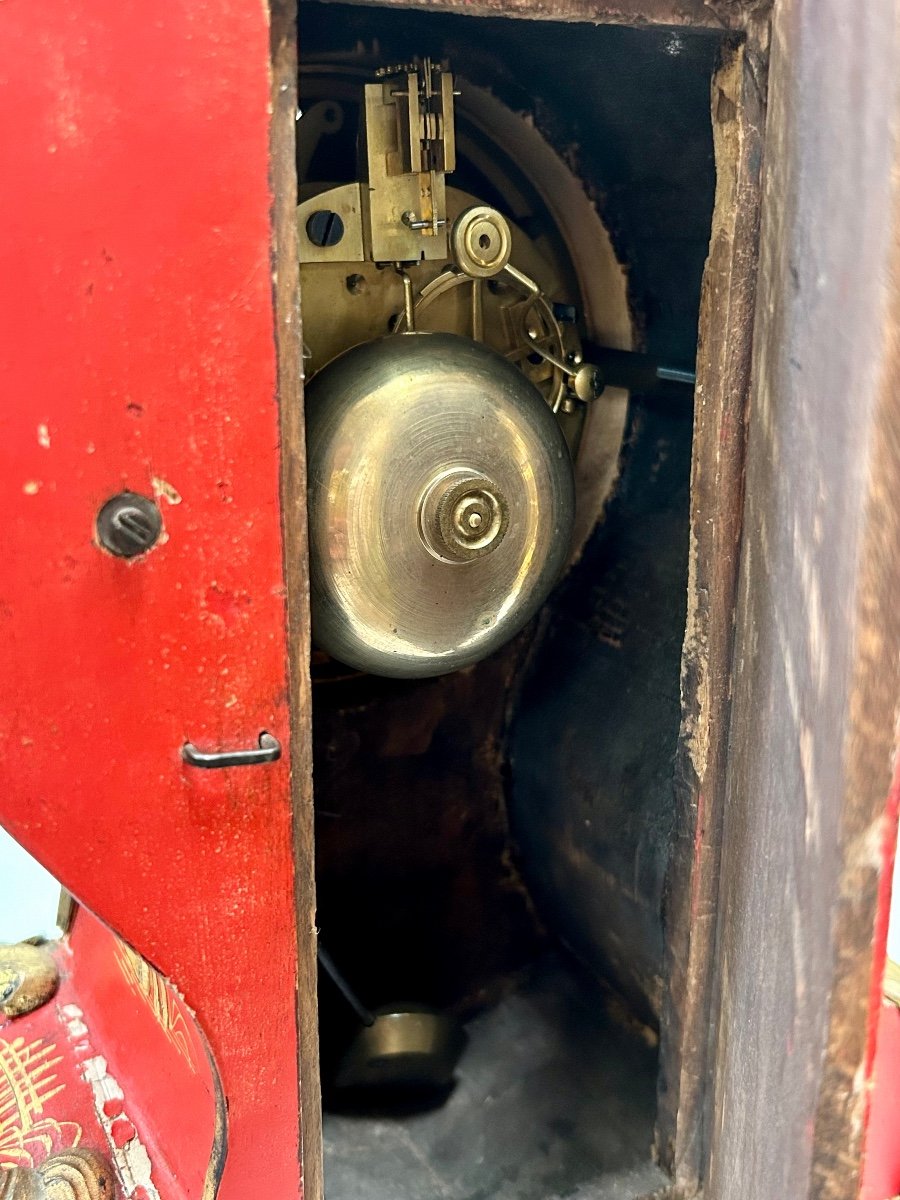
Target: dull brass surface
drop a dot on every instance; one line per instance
(441, 503)
(348, 300)
(76, 1174)
(410, 146)
(440, 458)
(406, 1048)
(28, 978)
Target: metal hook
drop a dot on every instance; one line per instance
(269, 751)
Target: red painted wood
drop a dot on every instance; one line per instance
(881, 1150)
(881, 1164)
(113, 1063)
(137, 351)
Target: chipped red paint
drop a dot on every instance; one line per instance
(138, 352)
(122, 1132)
(160, 1111)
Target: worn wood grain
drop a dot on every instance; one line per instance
(289, 347)
(816, 677)
(723, 380)
(709, 14)
(870, 747)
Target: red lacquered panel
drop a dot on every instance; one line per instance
(137, 352)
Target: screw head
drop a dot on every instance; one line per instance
(324, 228)
(128, 525)
(588, 383)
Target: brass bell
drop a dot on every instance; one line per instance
(441, 503)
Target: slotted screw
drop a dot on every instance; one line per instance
(128, 525)
(324, 228)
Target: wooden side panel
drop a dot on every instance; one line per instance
(711, 14)
(816, 677)
(138, 351)
(289, 344)
(723, 383)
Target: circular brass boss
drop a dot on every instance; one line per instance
(462, 515)
(481, 242)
